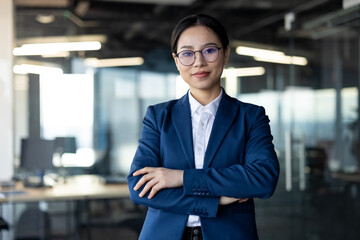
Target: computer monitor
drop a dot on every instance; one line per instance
(65, 145)
(37, 154)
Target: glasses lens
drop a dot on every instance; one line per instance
(186, 57)
(210, 54)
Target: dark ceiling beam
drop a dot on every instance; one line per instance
(278, 17)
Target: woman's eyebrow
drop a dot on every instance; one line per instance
(186, 47)
(210, 44)
(205, 45)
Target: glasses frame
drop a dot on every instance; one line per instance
(201, 51)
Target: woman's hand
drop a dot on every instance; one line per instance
(229, 200)
(158, 178)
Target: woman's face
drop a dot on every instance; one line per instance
(201, 75)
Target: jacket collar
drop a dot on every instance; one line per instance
(181, 117)
(212, 107)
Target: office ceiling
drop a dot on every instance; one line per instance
(143, 27)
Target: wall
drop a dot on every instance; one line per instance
(6, 90)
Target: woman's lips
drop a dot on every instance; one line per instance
(201, 74)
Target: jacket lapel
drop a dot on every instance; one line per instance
(181, 117)
(225, 116)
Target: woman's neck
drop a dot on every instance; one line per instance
(204, 97)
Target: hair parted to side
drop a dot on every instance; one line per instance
(199, 19)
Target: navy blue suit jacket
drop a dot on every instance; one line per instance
(239, 162)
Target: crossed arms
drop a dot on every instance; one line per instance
(173, 189)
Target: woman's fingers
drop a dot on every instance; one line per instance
(241, 200)
(143, 180)
(157, 187)
(154, 185)
(143, 171)
(228, 200)
(157, 179)
(148, 186)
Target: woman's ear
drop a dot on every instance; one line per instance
(176, 60)
(227, 54)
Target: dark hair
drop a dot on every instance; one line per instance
(199, 19)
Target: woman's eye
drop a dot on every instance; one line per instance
(209, 50)
(187, 54)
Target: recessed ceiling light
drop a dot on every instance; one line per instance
(45, 18)
(54, 48)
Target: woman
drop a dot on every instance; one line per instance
(202, 158)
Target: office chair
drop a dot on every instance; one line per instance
(33, 224)
(3, 224)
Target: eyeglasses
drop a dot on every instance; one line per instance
(209, 54)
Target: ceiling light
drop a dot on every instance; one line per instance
(54, 48)
(254, 52)
(284, 60)
(114, 62)
(265, 55)
(243, 72)
(45, 18)
(57, 55)
(54, 39)
(36, 69)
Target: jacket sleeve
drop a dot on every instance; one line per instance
(170, 199)
(257, 177)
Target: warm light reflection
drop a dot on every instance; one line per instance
(45, 18)
(265, 55)
(284, 60)
(54, 48)
(243, 72)
(36, 69)
(57, 55)
(249, 51)
(114, 62)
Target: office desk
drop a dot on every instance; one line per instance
(353, 177)
(82, 187)
(79, 189)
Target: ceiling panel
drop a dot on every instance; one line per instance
(139, 27)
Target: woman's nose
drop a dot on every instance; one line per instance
(199, 60)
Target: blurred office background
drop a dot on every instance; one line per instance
(297, 58)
